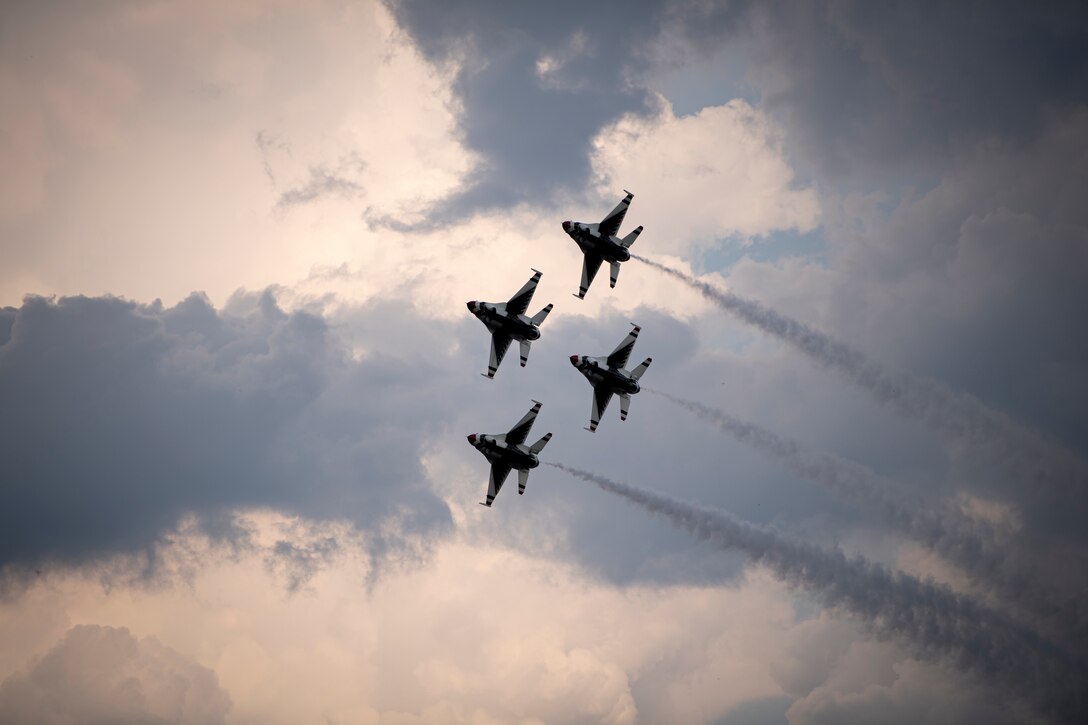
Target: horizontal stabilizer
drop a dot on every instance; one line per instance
(539, 445)
(615, 274)
(627, 241)
(625, 404)
(637, 372)
(524, 352)
(523, 478)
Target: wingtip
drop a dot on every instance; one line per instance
(536, 270)
(537, 402)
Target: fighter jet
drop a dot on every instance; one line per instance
(607, 376)
(507, 322)
(599, 242)
(507, 451)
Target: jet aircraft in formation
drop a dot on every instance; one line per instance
(507, 322)
(507, 451)
(599, 243)
(608, 376)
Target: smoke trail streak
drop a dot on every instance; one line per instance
(932, 619)
(973, 545)
(962, 419)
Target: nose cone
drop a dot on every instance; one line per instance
(471, 306)
(566, 226)
(573, 359)
(472, 439)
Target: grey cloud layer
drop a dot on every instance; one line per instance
(117, 418)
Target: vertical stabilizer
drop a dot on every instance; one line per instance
(540, 316)
(637, 372)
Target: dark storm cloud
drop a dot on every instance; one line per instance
(533, 133)
(7, 319)
(118, 418)
(939, 623)
(865, 85)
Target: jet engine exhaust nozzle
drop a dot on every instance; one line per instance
(472, 439)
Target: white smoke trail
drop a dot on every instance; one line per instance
(962, 420)
(973, 545)
(932, 619)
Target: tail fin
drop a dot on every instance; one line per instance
(615, 274)
(523, 478)
(539, 317)
(630, 238)
(637, 372)
(539, 445)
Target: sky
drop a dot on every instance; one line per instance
(237, 370)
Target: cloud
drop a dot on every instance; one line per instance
(104, 674)
(718, 173)
(961, 419)
(918, 693)
(531, 136)
(434, 642)
(133, 157)
(324, 181)
(937, 622)
(120, 418)
(862, 97)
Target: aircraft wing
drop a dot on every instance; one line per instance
(590, 264)
(618, 357)
(499, 345)
(499, 472)
(520, 431)
(601, 395)
(520, 301)
(610, 225)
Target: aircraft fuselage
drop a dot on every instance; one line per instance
(518, 327)
(598, 373)
(592, 241)
(498, 451)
